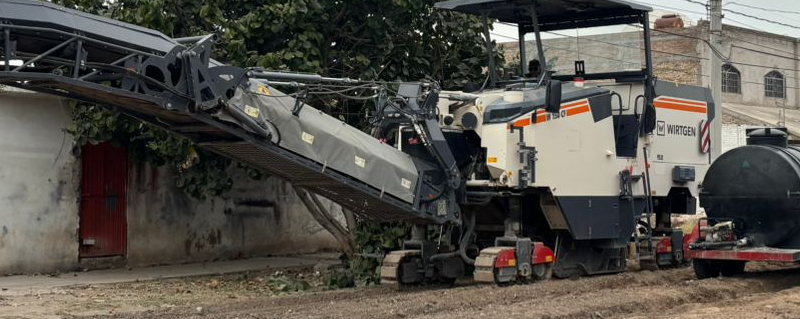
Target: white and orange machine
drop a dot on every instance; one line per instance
(586, 166)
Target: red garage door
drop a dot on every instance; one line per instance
(102, 227)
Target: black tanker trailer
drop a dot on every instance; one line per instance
(751, 195)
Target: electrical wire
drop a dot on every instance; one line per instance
(733, 38)
(697, 2)
(761, 8)
(676, 9)
(746, 25)
(682, 55)
(761, 19)
(749, 15)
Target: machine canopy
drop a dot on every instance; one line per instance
(553, 14)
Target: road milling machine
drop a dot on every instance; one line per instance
(560, 172)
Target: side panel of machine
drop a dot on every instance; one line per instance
(600, 217)
(681, 139)
(330, 142)
(575, 149)
(676, 143)
(575, 160)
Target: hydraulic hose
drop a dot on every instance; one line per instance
(462, 248)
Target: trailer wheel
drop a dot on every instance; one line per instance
(731, 267)
(705, 269)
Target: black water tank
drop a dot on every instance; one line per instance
(757, 186)
(767, 136)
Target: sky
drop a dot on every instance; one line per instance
(695, 12)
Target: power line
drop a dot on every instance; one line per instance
(757, 44)
(764, 52)
(726, 59)
(504, 36)
(697, 2)
(622, 45)
(625, 46)
(747, 15)
(681, 10)
(660, 69)
(713, 49)
(674, 8)
(760, 18)
(762, 66)
(762, 8)
(746, 25)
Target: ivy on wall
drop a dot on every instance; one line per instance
(200, 173)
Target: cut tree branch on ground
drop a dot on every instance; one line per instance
(344, 236)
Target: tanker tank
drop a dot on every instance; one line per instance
(757, 186)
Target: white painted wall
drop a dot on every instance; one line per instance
(38, 194)
(733, 136)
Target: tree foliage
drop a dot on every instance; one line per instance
(372, 40)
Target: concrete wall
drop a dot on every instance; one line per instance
(777, 53)
(40, 192)
(38, 196)
(255, 218)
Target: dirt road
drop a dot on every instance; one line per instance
(663, 294)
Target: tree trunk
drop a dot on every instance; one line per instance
(327, 221)
(350, 221)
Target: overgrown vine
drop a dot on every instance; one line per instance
(200, 173)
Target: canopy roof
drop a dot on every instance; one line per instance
(553, 14)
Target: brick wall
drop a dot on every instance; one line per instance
(733, 135)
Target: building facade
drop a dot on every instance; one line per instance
(63, 212)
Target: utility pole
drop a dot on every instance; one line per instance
(796, 73)
(715, 38)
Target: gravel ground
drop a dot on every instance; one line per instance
(763, 292)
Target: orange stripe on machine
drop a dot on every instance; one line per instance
(522, 123)
(570, 109)
(578, 110)
(680, 105)
(542, 116)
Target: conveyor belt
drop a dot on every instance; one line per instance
(300, 172)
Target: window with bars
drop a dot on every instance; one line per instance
(731, 79)
(774, 85)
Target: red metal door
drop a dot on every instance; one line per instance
(103, 230)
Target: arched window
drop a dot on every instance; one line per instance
(731, 80)
(774, 85)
